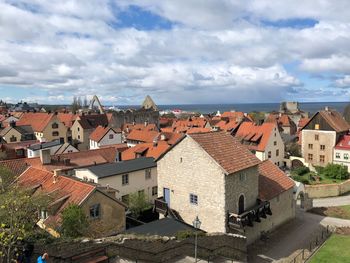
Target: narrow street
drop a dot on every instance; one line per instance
(332, 201)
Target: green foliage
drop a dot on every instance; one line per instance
(301, 170)
(74, 222)
(6, 178)
(293, 149)
(183, 234)
(319, 169)
(336, 171)
(138, 204)
(258, 117)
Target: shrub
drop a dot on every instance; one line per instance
(183, 234)
(301, 170)
(74, 221)
(336, 171)
(319, 169)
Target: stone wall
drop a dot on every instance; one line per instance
(327, 190)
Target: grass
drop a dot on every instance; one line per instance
(335, 211)
(308, 179)
(335, 250)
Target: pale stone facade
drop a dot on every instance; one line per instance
(81, 136)
(111, 137)
(274, 149)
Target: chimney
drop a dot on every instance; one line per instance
(162, 137)
(146, 123)
(56, 173)
(45, 156)
(326, 108)
(280, 115)
(155, 141)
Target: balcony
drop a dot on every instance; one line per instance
(249, 217)
(160, 206)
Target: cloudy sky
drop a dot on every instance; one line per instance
(177, 51)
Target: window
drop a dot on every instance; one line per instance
(78, 137)
(85, 178)
(346, 156)
(277, 152)
(241, 204)
(317, 126)
(278, 198)
(193, 199)
(78, 129)
(321, 158)
(154, 190)
(95, 211)
(322, 147)
(54, 125)
(55, 133)
(125, 199)
(275, 143)
(242, 177)
(269, 154)
(44, 214)
(111, 136)
(125, 179)
(337, 155)
(180, 159)
(148, 174)
(316, 137)
(311, 146)
(13, 139)
(310, 157)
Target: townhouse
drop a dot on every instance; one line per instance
(127, 177)
(14, 133)
(104, 136)
(215, 177)
(341, 153)
(141, 136)
(54, 147)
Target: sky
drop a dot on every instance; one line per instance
(178, 52)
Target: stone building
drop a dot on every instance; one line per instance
(319, 136)
(214, 177)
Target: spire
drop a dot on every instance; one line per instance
(148, 103)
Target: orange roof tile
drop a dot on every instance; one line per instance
(226, 150)
(99, 133)
(146, 150)
(272, 181)
(170, 137)
(234, 115)
(142, 135)
(344, 143)
(67, 118)
(37, 120)
(197, 130)
(139, 126)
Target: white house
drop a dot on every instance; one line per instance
(341, 153)
(56, 147)
(127, 177)
(103, 136)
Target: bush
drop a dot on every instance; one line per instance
(336, 171)
(74, 222)
(183, 234)
(301, 170)
(319, 169)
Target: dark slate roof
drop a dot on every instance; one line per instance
(24, 129)
(163, 227)
(36, 147)
(110, 169)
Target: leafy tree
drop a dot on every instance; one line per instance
(257, 117)
(138, 204)
(293, 149)
(18, 217)
(6, 178)
(74, 221)
(335, 171)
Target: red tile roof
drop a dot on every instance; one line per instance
(73, 191)
(191, 122)
(256, 136)
(197, 130)
(145, 150)
(170, 137)
(139, 126)
(37, 120)
(99, 133)
(344, 143)
(226, 150)
(233, 115)
(142, 135)
(272, 181)
(302, 122)
(67, 118)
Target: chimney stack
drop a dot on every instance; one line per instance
(56, 173)
(45, 156)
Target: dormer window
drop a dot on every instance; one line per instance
(111, 136)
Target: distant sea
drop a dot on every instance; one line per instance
(310, 107)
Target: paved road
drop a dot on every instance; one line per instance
(332, 201)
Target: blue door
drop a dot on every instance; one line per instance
(166, 194)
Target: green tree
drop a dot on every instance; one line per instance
(74, 222)
(6, 178)
(293, 149)
(335, 171)
(138, 204)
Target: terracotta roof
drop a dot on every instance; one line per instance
(226, 150)
(197, 130)
(272, 181)
(120, 147)
(37, 120)
(191, 122)
(10, 148)
(73, 191)
(170, 137)
(139, 126)
(255, 136)
(302, 122)
(234, 115)
(344, 143)
(92, 121)
(145, 150)
(16, 166)
(98, 134)
(67, 119)
(334, 119)
(142, 135)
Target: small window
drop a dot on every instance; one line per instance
(95, 211)
(180, 159)
(85, 178)
(111, 136)
(321, 158)
(269, 154)
(55, 133)
(13, 139)
(78, 129)
(242, 177)
(277, 152)
(310, 157)
(193, 199)
(337, 155)
(274, 143)
(311, 146)
(154, 190)
(125, 199)
(54, 125)
(346, 156)
(148, 174)
(44, 214)
(125, 179)
(322, 147)
(78, 137)
(317, 126)
(278, 198)
(316, 137)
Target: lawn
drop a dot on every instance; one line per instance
(335, 250)
(334, 211)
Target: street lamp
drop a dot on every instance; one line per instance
(196, 224)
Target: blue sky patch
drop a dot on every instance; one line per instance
(297, 23)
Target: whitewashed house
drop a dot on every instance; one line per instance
(55, 147)
(103, 136)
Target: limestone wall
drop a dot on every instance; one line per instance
(327, 190)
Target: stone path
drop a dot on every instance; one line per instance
(332, 201)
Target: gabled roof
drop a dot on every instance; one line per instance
(123, 167)
(249, 131)
(92, 121)
(170, 137)
(333, 118)
(67, 119)
(302, 122)
(197, 130)
(272, 181)
(234, 115)
(142, 136)
(139, 126)
(37, 120)
(44, 145)
(23, 130)
(344, 143)
(226, 150)
(100, 132)
(145, 150)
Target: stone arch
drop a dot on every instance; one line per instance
(95, 99)
(297, 163)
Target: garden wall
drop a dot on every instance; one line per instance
(327, 190)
